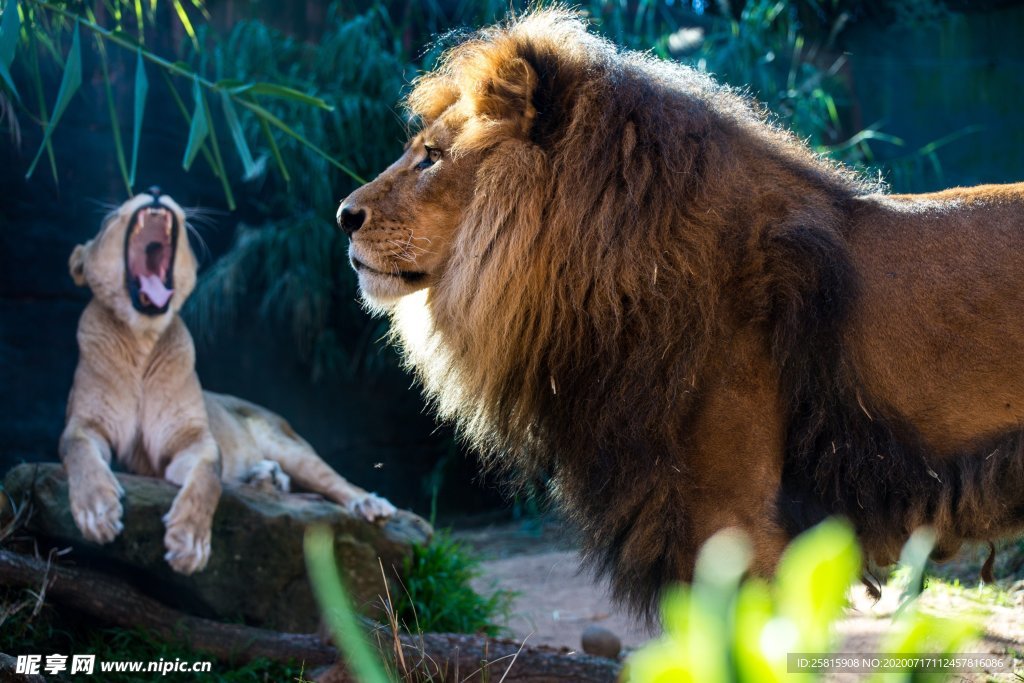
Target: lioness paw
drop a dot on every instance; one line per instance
(96, 506)
(188, 546)
(372, 507)
(267, 475)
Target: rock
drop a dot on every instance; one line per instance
(257, 571)
(601, 642)
(8, 668)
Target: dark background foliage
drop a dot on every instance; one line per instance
(926, 92)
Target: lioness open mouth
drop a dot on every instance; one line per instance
(149, 247)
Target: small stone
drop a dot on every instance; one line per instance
(601, 642)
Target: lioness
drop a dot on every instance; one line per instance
(612, 271)
(136, 394)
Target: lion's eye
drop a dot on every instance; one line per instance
(433, 156)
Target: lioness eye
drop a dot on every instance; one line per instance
(433, 156)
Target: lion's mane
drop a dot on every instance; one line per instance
(601, 265)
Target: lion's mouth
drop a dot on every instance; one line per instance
(409, 276)
(149, 258)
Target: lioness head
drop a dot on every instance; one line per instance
(476, 110)
(140, 264)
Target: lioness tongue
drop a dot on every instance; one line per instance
(153, 287)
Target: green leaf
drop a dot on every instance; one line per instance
(69, 85)
(199, 129)
(186, 23)
(141, 89)
(5, 75)
(115, 123)
(914, 557)
(337, 607)
(140, 21)
(284, 92)
(238, 135)
(275, 151)
(813, 577)
(228, 196)
(287, 130)
(218, 161)
(10, 31)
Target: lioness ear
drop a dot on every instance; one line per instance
(76, 265)
(507, 94)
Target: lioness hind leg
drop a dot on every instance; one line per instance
(309, 471)
(188, 522)
(94, 492)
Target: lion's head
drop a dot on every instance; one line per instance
(140, 264)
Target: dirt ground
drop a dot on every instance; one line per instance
(556, 600)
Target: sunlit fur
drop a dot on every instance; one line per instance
(686, 320)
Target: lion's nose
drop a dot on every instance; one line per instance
(351, 219)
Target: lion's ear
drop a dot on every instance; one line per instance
(76, 265)
(507, 94)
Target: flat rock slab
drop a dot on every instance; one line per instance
(257, 571)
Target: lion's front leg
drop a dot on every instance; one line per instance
(736, 457)
(197, 470)
(94, 492)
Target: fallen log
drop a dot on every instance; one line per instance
(433, 656)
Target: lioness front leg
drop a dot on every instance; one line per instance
(94, 492)
(197, 470)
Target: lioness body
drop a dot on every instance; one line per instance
(610, 271)
(136, 396)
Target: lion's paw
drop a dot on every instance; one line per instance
(187, 543)
(96, 506)
(372, 507)
(267, 475)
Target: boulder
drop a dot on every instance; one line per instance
(257, 571)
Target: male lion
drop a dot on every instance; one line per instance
(612, 271)
(136, 394)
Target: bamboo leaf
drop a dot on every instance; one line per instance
(37, 86)
(115, 124)
(10, 30)
(199, 129)
(186, 23)
(69, 85)
(203, 148)
(284, 92)
(5, 75)
(287, 130)
(218, 165)
(265, 127)
(140, 22)
(141, 90)
(238, 135)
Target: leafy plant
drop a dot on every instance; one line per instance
(438, 595)
(723, 629)
(40, 28)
